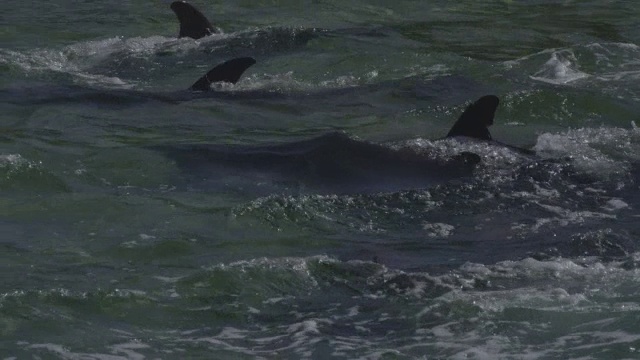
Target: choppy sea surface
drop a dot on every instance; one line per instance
(312, 210)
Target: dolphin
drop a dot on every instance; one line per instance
(476, 120)
(335, 162)
(331, 163)
(193, 23)
(229, 71)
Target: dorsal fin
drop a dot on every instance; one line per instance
(229, 71)
(193, 23)
(476, 119)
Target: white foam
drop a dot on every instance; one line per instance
(106, 81)
(438, 229)
(565, 217)
(620, 75)
(288, 83)
(101, 49)
(12, 160)
(493, 156)
(231, 333)
(78, 59)
(597, 340)
(615, 204)
(169, 279)
(467, 321)
(544, 285)
(604, 151)
(604, 61)
(560, 69)
(129, 349)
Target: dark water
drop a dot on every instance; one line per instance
(310, 211)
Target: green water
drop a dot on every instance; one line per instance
(112, 249)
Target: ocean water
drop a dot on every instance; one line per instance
(312, 210)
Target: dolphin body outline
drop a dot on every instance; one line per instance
(229, 71)
(337, 163)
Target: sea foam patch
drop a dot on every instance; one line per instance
(604, 150)
(560, 69)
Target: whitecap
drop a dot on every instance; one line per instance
(615, 204)
(560, 69)
(602, 151)
(440, 230)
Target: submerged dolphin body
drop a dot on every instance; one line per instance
(229, 71)
(331, 163)
(193, 23)
(335, 162)
(438, 89)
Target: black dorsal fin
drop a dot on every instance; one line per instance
(476, 119)
(229, 71)
(193, 23)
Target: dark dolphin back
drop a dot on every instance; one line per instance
(193, 23)
(229, 71)
(476, 119)
(331, 163)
